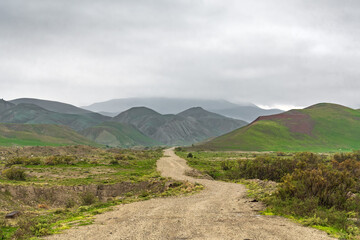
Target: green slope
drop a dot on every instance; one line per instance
(33, 114)
(115, 134)
(51, 105)
(39, 135)
(322, 127)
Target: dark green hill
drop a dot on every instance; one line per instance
(321, 127)
(39, 135)
(116, 134)
(33, 114)
(4, 105)
(188, 127)
(52, 105)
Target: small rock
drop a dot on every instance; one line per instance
(13, 214)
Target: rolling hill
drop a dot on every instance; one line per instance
(188, 127)
(33, 114)
(4, 105)
(53, 106)
(321, 127)
(39, 135)
(244, 111)
(116, 134)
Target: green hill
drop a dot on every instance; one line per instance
(4, 105)
(51, 105)
(33, 114)
(321, 127)
(39, 135)
(115, 134)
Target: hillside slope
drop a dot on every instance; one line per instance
(4, 105)
(52, 105)
(33, 114)
(116, 134)
(190, 126)
(39, 135)
(321, 127)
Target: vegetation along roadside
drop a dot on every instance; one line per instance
(49, 189)
(318, 190)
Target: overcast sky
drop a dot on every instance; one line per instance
(271, 53)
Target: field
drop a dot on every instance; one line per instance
(55, 188)
(318, 190)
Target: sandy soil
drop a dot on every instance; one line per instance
(221, 211)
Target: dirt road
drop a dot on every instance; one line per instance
(221, 211)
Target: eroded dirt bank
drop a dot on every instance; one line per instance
(221, 211)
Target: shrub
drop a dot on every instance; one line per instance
(114, 162)
(330, 186)
(32, 161)
(264, 168)
(190, 155)
(15, 161)
(119, 157)
(13, 173)
(57, 160)
(88, 198)
(226, 165)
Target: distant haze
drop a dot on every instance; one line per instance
(270, 53)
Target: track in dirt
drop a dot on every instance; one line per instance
(221, 211)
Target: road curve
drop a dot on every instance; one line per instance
(221, 211)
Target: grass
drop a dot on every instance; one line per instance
(335, 128)
(320, 191)
(64, 194)
(116, 134)
(39, 135)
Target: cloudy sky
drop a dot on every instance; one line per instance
(271, 53)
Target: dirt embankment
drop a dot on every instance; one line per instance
(221, 211)
(60, 196)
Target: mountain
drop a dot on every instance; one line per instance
(39, 135)
(116, 134)
(4, 105)
(53, 106)
(245, 111)
(321, 127)
(215, 123)
(188, 127)
(33, 114)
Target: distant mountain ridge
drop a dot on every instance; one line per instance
(53, 106)
(320, 127)
(188, 127)
(247, 111)
(27, 113)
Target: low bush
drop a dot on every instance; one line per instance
(14, 173)
(59, 160)
(114, 162)
(88, 198)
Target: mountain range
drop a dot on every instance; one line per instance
(138, 126)
(321, 127)
(188, 127)
(244, 111)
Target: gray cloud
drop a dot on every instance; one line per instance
(277, 52)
